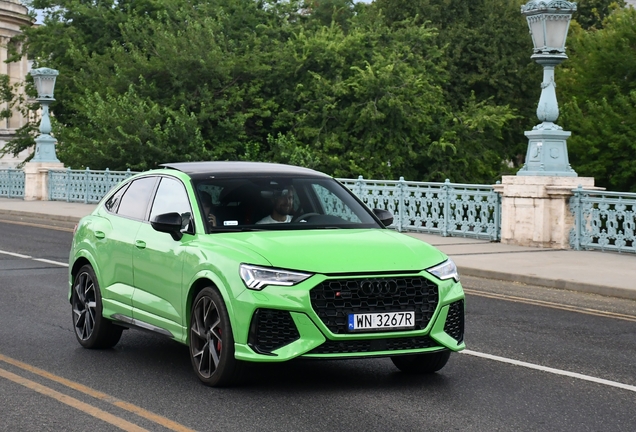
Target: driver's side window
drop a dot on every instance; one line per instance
(172, 197)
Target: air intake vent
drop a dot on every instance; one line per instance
(271, 329)
(454, 326)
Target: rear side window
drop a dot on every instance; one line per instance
(113, 202)
(134, 203)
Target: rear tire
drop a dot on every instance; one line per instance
(212, 341)
(92, 330)
(422, 363)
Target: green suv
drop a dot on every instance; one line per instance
(257, 262)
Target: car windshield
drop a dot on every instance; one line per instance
(268, 203)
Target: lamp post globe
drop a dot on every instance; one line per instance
(44, 79)
(548, 21)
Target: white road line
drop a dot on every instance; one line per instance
(17, 255)
(51, 262)
(551, 370)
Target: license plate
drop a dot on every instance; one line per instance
(383, 321)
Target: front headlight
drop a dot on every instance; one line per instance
(257, 278)
(445, 270)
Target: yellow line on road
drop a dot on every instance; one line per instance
(552, 305)
(160, 420)
(70, 401)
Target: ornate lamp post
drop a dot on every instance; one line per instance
(549, 21)
(44, 79)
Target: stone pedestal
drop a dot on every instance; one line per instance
(36, 179)
(535, 209)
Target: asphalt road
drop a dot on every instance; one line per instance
(49, 383)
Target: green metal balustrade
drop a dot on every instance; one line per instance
(603, 220)
(11, 183)
(83, 185)
(449, 209)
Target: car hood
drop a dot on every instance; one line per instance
(338, 251)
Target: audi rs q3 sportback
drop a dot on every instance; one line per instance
(257, 262)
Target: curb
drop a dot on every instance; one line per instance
(39, 220)
(561, 284)
(40, 216)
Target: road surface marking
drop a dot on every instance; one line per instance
(551, 370)
(13, 254)
(551, 305)
(43, 260)
(156, 418)
(51, 262)
(72, 402)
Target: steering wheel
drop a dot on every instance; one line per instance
(304, 215)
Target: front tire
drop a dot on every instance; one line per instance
(212, 342)
(92, 330)
(422, 363)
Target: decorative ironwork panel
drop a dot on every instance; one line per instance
(85, 186)
(334, 205)
(603, 220)
(11, 183)
(378, 194)
(450, 209)
(474, 211)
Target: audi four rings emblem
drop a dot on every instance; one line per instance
(377, 287)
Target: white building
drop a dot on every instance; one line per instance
(13, 16)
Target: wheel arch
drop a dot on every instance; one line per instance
(81, 260)
(204, 280)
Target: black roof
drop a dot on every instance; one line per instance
(241, 169)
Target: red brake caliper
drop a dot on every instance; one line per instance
(218, 343)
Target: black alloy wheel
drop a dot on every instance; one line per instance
(422, 363)
(91, 328)
(212, 342)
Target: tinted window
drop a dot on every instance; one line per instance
(254, 202)
(134, 203)
(113, 202)
(172, 197)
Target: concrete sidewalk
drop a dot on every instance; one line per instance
(604, 273)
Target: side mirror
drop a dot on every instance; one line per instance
(168, 223)
(385, 216)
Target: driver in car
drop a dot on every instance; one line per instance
(282, 207)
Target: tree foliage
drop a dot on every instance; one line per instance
(426, 89)
(590, 14)
(598, 86)
(328, 84)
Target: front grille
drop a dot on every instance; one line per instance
(271, 329)
(334, 299)
(371, 345)
(454, 326)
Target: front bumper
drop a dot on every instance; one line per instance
(286, 322)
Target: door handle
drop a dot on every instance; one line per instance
(140, 244)
(100, 234)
